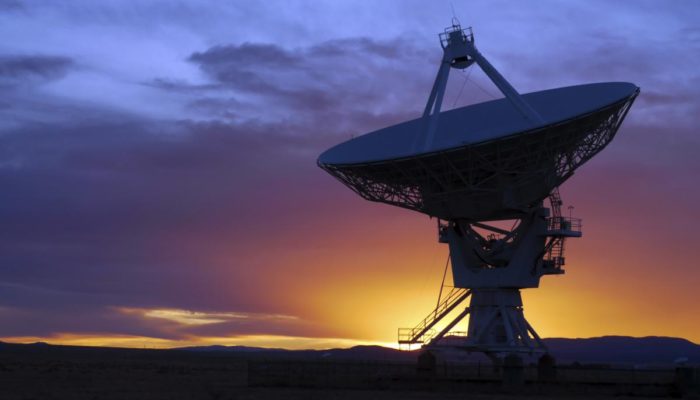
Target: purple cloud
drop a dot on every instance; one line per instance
(16, 70)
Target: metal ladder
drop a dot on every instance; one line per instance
(556, 253)
(556, 202)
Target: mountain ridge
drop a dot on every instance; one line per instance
(613, 349)
(601, 349)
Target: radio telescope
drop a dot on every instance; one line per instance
(474, 166)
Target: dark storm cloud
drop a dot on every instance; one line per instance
(16, 70)
(246, 54)
(267, 55)
(180, 86)
(388, 50)
(320, 78)
(237, 65)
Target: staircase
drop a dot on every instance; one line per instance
(423, 332)
(555, 255)
(559, 228)
(555, 202)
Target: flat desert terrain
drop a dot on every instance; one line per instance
(57, 372)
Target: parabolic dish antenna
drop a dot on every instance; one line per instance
(497, 160)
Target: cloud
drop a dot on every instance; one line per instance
(186, 317)
(16, 70)
(331, 78)
(249, 55)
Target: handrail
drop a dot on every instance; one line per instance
(467, 34)
(564, 224)
(453, 298)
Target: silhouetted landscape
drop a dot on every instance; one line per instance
(601, 367)
(608, 349)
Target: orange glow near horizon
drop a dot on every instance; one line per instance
(607, 290)
(397, 286)
(143, 342)
(380, 268)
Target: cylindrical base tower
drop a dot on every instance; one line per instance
(497, 323)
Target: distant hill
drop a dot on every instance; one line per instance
(600, 350)
(624, 349)
(357, 353)
(606, 349)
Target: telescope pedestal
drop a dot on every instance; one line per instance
(491, 265)
(497, 326)
(497, 323)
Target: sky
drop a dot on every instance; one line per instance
(160, 188)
